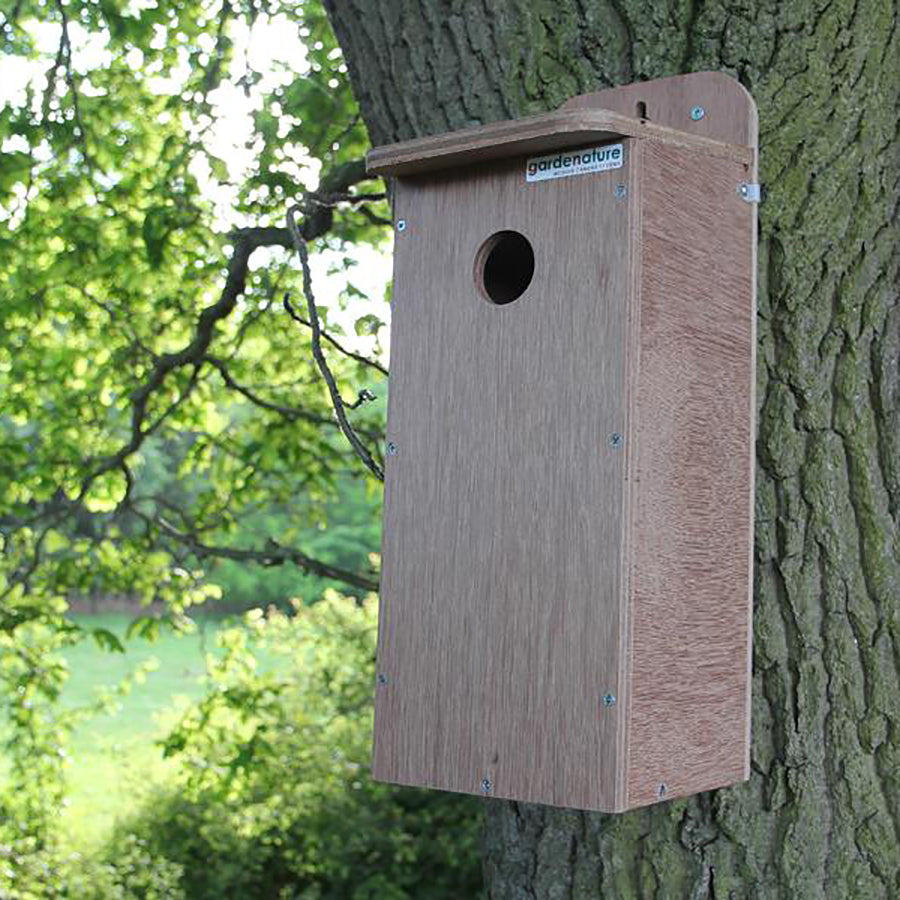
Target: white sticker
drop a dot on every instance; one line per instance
(575, 162)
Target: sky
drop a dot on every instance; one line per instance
(273, 48)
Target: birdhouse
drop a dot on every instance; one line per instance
(566, 586)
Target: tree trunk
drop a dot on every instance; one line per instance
(820, 816)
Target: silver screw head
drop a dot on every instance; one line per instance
(609, 700)
(620, 191)
(401, 224)
(697, 113)
(381, 678)
(486, 786)
(392, 448)
(615, 439)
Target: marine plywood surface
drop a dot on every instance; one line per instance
(564, 129)
(501, 615)
(692, 490)
(701, 104)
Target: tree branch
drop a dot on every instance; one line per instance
(365, 360)
(337, 402)
(272, 554)
(372, 217)
(64, 57)
(262, 237)
(318, 217)
(246, 240)
(338, 197)
(289, 412)
(23, 575)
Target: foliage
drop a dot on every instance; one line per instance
(116, 325)
(275, 799)
(347, 535)
(29, 872)
(31, 676)
(159, 409)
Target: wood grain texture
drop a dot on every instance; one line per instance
(564, 129)
(691, 478)
(730, 113)
(501, 624)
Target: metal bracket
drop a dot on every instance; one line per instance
(752, 193)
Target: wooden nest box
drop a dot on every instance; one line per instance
(566, 588)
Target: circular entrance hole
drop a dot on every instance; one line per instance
(504, 266)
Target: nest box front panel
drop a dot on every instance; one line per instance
(501, 628)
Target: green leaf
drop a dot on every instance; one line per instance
(14, 169)
(155, 231)
(146, 627)
(368, 324)
(106, 640)
(218, 167)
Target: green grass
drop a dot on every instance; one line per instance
(115, 760)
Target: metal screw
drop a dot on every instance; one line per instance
(609, 700)
(382, 678)
(401, 224)
(697, 113)
(620, 191)
(661, 790)
(392, 448)
(486, 786)
(615, 439)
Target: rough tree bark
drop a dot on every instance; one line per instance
(820, 816)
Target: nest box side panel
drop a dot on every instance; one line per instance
(501, 624)
(692, 493)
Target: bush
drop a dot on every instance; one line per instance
(275, 799)
(31, 872)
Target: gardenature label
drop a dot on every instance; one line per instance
(577, 162)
